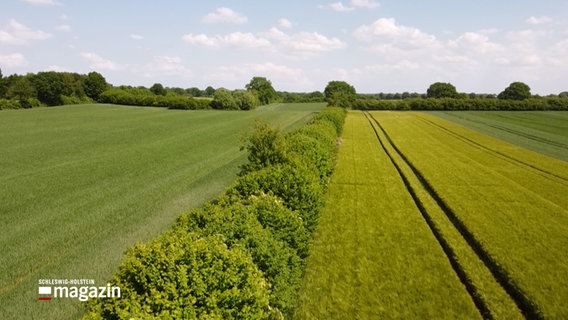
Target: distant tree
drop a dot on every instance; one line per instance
(515, 91)
(194, 92)
(209, 91)
(245, 100)
(49, 87)
(223, 99)
(158, 89)
(441, 90)
(339, 94)
(1, 76)
(563, 94)
(263, 89)
(94, 84)
(21, 89)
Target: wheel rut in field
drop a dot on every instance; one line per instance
(523, 303)
(493, 151)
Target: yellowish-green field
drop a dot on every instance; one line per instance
(411, 191)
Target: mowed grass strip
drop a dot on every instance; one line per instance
(373, 256)
(516, 212)
(79, 184)
(493, 300)
(543, 132)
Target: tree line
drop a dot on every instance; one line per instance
(444, 96)
(58, 88)
(52, 88)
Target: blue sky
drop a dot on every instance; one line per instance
(377, 46)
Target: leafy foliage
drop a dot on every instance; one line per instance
(181, 275)
(516, 91)
(339, 94)
(442, 90)
(262, 87)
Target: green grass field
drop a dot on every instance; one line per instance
(79, 184)
(543, 132)
(496, 213)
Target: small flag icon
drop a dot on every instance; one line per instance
(44, 290)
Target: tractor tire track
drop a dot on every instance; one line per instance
(528, 309)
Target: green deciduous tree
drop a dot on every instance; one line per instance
(223, 99)
(263, 89)
(49, 86)
(94, 84)
(515, 91)
(339, 94)
(442, 90)
(158, 89)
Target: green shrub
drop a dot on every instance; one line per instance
(334, 115)
(240, 227)
(298, 186)
(265, 147)
(311, 152)
(181, 275)
(284, 224)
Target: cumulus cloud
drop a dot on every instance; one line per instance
(538, 20)
(369, 4)
(63, 28)
(284, 23)
(43, 2)
(390, 34)
(475, 42)
(15, 33)
(353, 4)
(97, 62)
(235, 39)
(225, 15)
(13, 60)
(169, 66)
(300, 44)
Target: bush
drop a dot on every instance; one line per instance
(181, 275)
(298, 187)
(239, 227)
(265, 147)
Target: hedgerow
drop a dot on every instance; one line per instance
(261, 226)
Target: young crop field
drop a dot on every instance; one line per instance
(543, 132)
(428, 219)
(79, 184)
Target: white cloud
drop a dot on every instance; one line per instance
(97, 62)
(57, 68)
(225, 15)
(235, 39)
(284, 23)
(15, 33)
(339, 7)
(63, 28)
(388, 33)
(169, 66)
(303, 44)
(136, 37)
(43, 2)
(475, 42)
(369, 4)
(538, 20)
(353, 4)
(13, 60)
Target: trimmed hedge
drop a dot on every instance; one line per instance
(241, 256)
